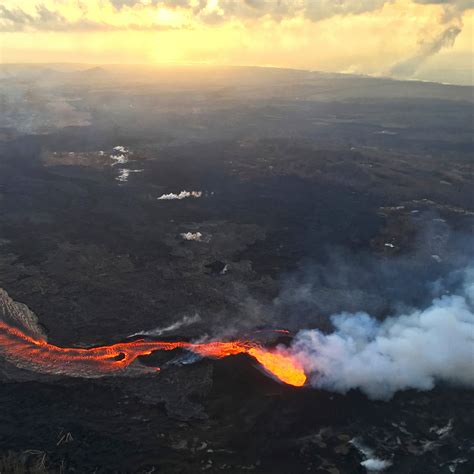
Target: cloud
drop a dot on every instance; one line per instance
(198, 11)
(318, 10)
(451, 6)
(118, 4)
(15, 16)
(15, 19)
(314, 10)
(44, 19)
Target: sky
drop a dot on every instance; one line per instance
(424, 39)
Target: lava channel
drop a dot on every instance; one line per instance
(38, 355)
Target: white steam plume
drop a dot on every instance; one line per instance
(445, 39)
(371, 462)
(452, 24)
(411, 351)
(196, 236)
(184, 321)
(179, 196)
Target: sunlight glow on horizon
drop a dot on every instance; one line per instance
(164, 32)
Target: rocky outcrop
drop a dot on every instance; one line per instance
(20, 316)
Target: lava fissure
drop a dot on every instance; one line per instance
(38, 355)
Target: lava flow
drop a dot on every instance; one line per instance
(36, 354)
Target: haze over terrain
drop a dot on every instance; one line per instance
(411, 39)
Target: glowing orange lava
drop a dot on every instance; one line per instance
(35, 354)
(281, 365)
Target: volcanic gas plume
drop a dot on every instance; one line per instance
(414, 350)
(35, 353)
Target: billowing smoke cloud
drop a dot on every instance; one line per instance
(453, 24)
(409, 66)
(411, 351)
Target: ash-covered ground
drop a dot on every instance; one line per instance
(201, 204)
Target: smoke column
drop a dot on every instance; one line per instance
(409, 66)
(411, 351)
(452, 23)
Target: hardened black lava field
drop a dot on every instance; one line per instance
(224, 204)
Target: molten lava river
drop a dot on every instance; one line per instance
(36, 354)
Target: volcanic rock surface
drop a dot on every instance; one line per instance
(307, 209)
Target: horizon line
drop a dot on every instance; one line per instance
(157, 65)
